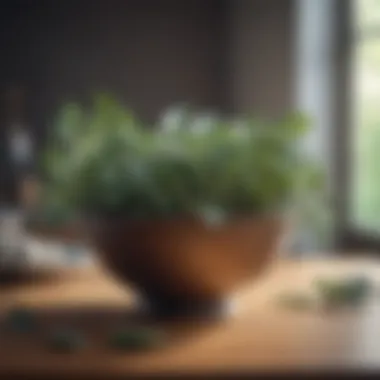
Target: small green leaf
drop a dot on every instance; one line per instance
(21, 320)
(136, 339)
(343, 292)
(66, 341)
(296, 301)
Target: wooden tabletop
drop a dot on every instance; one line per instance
(260, 336)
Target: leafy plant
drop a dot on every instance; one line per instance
(105, 161)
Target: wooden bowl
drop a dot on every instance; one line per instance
(185, 265)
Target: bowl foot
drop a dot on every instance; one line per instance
(159, 308)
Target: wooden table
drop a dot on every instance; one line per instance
(261, 336)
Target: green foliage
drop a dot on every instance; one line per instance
(341, 292)
(66, 341)
(21, 320)
(330, 293)
(136, 339)
(103, 160)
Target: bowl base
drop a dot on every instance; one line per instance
(169, 309)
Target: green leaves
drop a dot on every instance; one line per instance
(136, 339)
(103, 159)
(330, 293)
(342, 292)
(66, 341)
(21, 320)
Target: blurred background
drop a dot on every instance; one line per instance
(266, 57)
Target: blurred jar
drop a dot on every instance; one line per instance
(20, 149)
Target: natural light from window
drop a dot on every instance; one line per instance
(365, 200)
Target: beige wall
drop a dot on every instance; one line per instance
(150, 53)
(226, 54)
(261, 50)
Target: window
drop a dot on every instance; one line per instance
(364, 116)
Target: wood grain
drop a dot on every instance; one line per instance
(260, 336)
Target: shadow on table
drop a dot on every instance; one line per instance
(21, 277)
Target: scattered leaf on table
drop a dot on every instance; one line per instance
(66, 341)
(135, 339)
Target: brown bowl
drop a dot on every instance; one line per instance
(184, 263)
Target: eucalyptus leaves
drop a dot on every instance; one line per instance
(22, 321)
(331, 293)
(104, 160)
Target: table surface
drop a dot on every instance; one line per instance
(260, 335)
